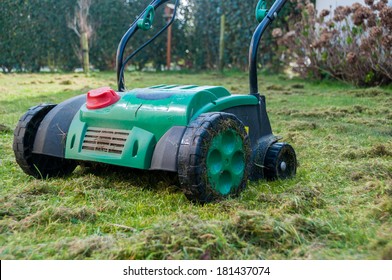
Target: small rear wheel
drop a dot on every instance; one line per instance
(213, 157)
(280, 162)
(37, 165)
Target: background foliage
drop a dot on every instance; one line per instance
(34, 34)
(353, 44)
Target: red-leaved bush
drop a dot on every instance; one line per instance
(353, 43)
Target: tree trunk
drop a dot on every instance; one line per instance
(85, 51)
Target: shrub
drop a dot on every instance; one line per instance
(353, 44)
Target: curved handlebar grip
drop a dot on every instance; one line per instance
(261, 11)
(145, 23)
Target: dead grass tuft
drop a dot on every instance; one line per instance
(376, 151)
(285, 232)
(301, 200)
(356, 176)
(187, 237)
(369, 92)
(387, 252)
(85, 248)
(305, 200)
(298, 86)
(313, 228)
(60, 214)
(64, 214)
(388, 190)
(261, 230)
(234, 89)
(276, 88)
(7, 225)
(15, 207)
(383, 209)
(40, 188)
(373, 169)
(381, 150)
(372, 185)
(302, 125)
(66, 83)
(331, 112)
(297, 138)
(354, 153)
(5, 129)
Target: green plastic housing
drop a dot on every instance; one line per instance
(126, 132)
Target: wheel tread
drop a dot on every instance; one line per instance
(190, 163)
(35, 165)
(275, 152)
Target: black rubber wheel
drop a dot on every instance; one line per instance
(213, 159)
(36, 165)
(280, 162)
(258, 156)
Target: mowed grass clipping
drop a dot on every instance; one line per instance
(338, 207)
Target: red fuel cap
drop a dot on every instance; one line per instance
(101, 98)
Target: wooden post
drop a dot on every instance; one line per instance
(222, 43)
(168, 50)
(169, 9)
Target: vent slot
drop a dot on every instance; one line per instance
(105, 140)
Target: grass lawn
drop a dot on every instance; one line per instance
(339, 206)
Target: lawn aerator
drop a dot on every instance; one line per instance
(215, 141)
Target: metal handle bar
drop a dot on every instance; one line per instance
(120, 61)
(254, 45)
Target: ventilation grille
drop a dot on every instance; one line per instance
(105, 140)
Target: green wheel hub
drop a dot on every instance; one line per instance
(225, 161)
(213, 157)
